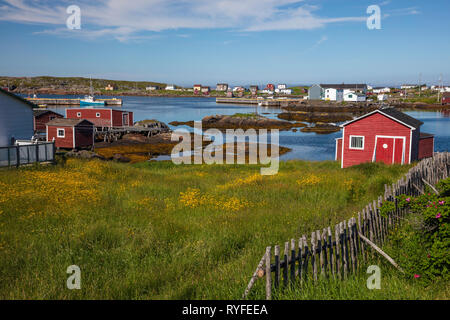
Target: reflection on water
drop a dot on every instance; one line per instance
(307, 146)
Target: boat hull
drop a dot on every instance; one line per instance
(92, 103)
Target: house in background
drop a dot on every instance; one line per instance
(354, 96)
(222, 87)
(71, 133)
(170, 87)
(270, 87)
(381, 90)
(16, 118)
(41, 117)
(316, 92)
(385, 135)
(102, 117)
(197, 88)
(382, 97)
(152, 88)
(254, 89)
(205, 90)
(334, 94)
(446, 98)
(110, 88)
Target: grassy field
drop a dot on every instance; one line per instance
(161, 231)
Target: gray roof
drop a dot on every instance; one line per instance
(403, 117)
(39, 112)
(357, 86)
(393, 114)
(67, 122)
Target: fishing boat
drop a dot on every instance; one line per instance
(90, 100)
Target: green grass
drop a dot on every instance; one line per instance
(161, 231)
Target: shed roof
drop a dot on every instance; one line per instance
(67, 122)
(395, 115)
(357, 86)
(39, 112)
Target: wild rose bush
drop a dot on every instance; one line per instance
(422, 245)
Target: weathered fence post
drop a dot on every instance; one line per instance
(268, 275)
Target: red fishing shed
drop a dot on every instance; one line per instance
(71, 133)
(102, 117)
(386, 135)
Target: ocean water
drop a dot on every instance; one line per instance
(306, 146)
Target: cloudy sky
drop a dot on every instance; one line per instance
(237, 41)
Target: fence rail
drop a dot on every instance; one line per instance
(15, 156)
(337, 252)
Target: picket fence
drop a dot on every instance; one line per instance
(342, 250)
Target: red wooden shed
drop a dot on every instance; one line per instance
(385, 135)
(42, 117)
(102, 117)
(446, 98)
(71, 133)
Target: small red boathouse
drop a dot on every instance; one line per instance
(71, 133)
(102, 117)
(385, 135)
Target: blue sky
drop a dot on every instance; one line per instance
(234, 41)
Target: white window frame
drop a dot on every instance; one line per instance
(60, 136)
(363, 142)
(97, 114)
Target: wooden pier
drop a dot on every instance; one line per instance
(71, 102)
(116, 133)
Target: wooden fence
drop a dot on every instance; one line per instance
(24, 154)
(342, 250)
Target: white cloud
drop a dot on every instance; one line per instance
(125, 19)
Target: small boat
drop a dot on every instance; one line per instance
(90, 101)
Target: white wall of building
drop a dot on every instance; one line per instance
(332, 94)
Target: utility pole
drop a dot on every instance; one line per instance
(439, 88)
(420, 84)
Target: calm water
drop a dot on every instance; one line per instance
(307, 146)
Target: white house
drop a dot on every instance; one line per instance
(382, 97)
(355, 97)
(408, 86)
(281, 86)
(333, 94)
(283, 91)
(16, 118)
(170, 87)
(382, 90)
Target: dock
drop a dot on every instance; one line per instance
(71, 102)
(262, 102)
(116, 133)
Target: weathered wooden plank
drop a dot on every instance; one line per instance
(307, 254)
(268, 274)
(286, 264)
(337, 251)
(351, 245)
(292, 261)
(257, 274)
(330, 252)
(320, 246)
(377, 249)
(277, 267)
(345, 248)
(313, 255)
(300, 259)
